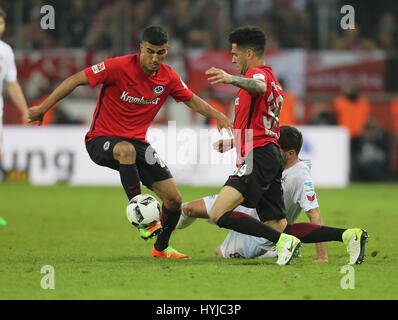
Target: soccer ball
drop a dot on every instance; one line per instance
(143, 210)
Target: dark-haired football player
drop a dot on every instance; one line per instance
(133, 89)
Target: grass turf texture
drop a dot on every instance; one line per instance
(84, 234)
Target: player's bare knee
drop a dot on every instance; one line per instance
(124, 152)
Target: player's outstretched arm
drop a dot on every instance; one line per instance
(36, 113)
(202, 107)
(16, 94)
(321, 248)
(252, 86)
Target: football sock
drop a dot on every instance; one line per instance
(246, 224)
(130, 179)
(313, 233)
(168, 221)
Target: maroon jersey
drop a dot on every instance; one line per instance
(129, 99)
(256, 116)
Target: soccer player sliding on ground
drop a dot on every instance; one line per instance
(299, 195)
(134, 88)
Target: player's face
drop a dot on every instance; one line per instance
(239, 58)
(2, 26)
(152, 56)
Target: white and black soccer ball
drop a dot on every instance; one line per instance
(143, 210)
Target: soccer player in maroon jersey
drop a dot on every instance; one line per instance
(134, 88)
(257, 180)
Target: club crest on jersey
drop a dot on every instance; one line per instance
(308, 186)
(98, 67)
(311, 198)
(158, 90)
(309, 190)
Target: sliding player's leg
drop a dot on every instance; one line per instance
(235, 245)
(306, 232)
(239, 245)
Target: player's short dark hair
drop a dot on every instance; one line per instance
(249, 37)
(3, 13)
(155, 35)
(290, 139)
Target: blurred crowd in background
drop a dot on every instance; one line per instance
(313, 25)
(97, 24)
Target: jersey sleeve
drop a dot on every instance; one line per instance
(180, 91)
(11, 73)
(104, 72)
(306, 192)
(256, 74)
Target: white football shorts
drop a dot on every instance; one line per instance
(239, 245)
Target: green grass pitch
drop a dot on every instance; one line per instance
(96, 254)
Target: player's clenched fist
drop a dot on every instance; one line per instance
(35, 113)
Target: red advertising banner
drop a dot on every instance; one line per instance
(55, 64)
(302, 72)
(327, 72)
(288, 65)
(39, 71)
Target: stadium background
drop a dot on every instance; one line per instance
(314, 57)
